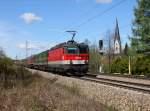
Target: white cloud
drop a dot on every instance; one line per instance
(30, 17)
(103, 1)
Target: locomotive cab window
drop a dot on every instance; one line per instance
(83, 50)
(72, 50)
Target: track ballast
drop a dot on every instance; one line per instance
(145, 88)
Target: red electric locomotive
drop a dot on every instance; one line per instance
(69, 57)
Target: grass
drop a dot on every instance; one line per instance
(23, 91)
(110, 108)
(46, 95)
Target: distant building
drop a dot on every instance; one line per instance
(117, 40)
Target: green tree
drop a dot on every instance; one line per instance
(120, 65)
(126, 50)
(141, 26)
(141, 66)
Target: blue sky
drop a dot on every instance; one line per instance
(43, 22)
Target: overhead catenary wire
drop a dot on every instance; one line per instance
(103, 12)
(94, 17)
(83, 14)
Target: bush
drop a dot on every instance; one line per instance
(12, 75)
(120, 65)
(139, 65)
(5, 65)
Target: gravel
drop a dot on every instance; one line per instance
(121, 99)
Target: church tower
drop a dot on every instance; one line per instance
(117, 40)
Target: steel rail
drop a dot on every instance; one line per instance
(119, 75)
(122, 84)
(121, 81)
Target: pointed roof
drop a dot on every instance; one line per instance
(117, 33)
(117, 37)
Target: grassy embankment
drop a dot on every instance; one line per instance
(23, 91)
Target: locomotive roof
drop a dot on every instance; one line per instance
(65, 44)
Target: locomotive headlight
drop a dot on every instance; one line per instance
(78, 58)
(63, 57)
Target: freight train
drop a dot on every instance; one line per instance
(68, 58)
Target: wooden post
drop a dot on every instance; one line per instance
(129, 66)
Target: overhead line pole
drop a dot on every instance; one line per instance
(27, 47)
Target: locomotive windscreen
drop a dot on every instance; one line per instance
(72, 50)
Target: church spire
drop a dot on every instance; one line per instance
(117, 40)
(117, 33)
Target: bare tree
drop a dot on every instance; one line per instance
(108, 50)
(95, 57)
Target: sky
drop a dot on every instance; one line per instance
(42, 23)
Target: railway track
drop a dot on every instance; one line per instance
(140, 87)
(145, 88)
(142, 77)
